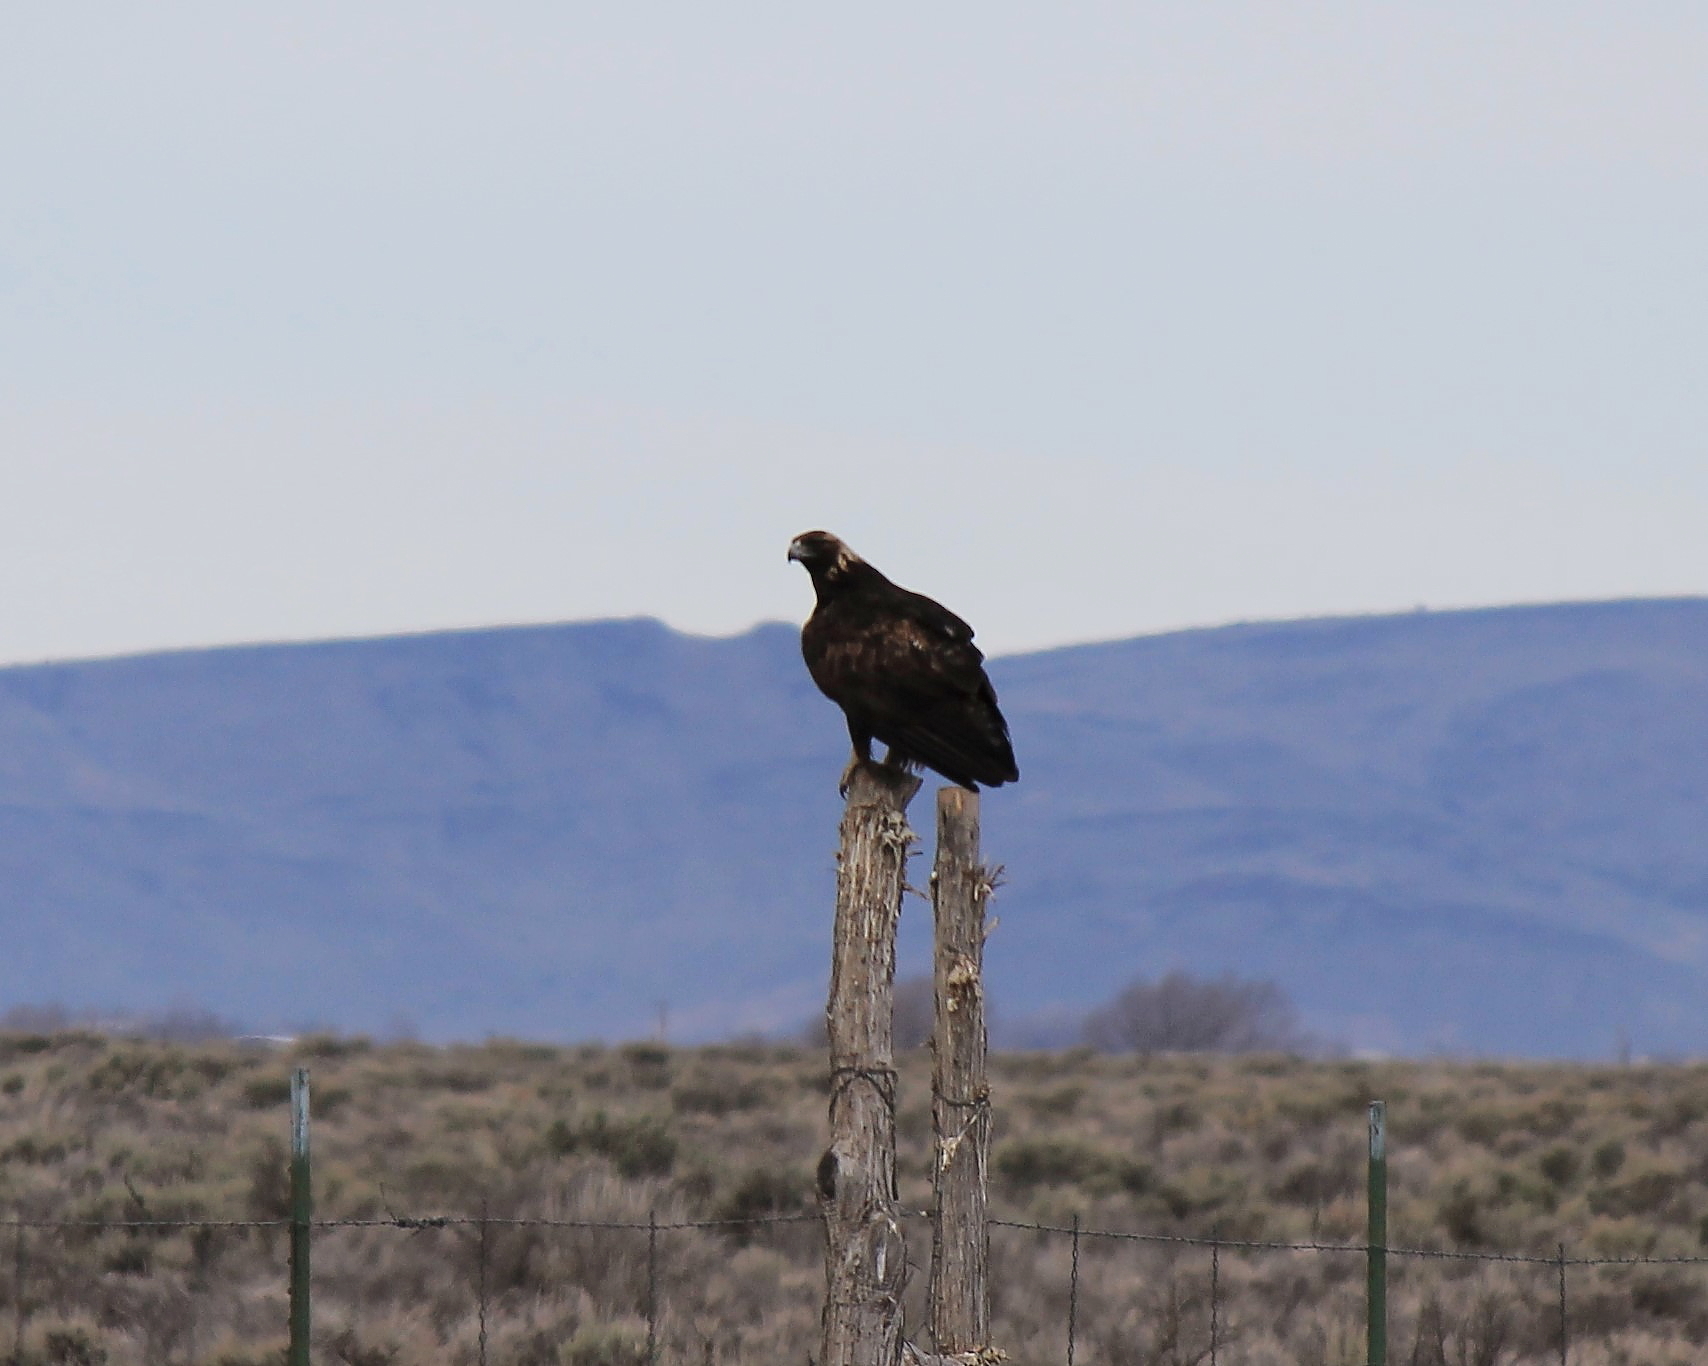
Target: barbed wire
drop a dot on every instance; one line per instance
(24, 1223)
(1440, 1254)
(413, 1222)
(1215, 1242)
(485, 1222)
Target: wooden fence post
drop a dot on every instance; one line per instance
(865, 1255)
(960, 1091)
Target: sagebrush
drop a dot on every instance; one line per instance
(1517, 1158)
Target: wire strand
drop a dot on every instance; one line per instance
(433, 1221)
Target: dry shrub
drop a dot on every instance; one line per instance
(1514, 1158)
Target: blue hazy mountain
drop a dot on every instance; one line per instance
(1481, 831)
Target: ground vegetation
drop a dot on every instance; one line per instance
(1486, 1157)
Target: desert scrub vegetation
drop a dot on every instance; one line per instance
(1609, 1161)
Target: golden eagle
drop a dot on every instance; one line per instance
(903, 669)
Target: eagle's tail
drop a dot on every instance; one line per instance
(968, 754)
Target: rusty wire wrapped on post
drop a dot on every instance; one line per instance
(865, 1251)
(960, 1089)
(865, 1255)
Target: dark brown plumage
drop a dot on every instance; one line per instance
(903, 669)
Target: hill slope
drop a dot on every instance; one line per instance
(1471, 830)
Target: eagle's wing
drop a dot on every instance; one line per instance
(935, 618)
(940, 707)
(904, 669)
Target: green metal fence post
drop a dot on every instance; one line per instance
(1376, 1268)
(20, 1306)
(302, 1210)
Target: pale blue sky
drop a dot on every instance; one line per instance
(332, 319)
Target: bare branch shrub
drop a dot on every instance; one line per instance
(915, 1004)
(1184, 1014)
(180, 1022)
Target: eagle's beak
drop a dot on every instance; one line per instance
(794, 550)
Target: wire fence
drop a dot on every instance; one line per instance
(1215, 1338)
(1560, 1265)
(509, 1286)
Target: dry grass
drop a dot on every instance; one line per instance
(1609, 1161)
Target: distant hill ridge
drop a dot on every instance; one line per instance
(1476, 830)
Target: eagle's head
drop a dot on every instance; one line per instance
(822, 554)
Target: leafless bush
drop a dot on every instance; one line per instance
(46, 1018)
(180, 1022)
(915, 1006)
(1184, 1014)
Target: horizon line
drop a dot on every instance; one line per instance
(642, 618)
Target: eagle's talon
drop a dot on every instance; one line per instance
(846, 780)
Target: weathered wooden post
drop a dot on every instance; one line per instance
(865, 1256)
(960, 1091)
